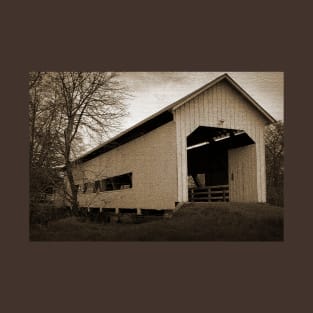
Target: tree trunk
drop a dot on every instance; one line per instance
(69, 171)
(73, 189)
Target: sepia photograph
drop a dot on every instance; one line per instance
(156, 156)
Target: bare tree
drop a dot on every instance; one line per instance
(88, 103)
(43, 135)
(274, 148)
(64, 108)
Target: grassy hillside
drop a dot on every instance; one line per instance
(193, 222)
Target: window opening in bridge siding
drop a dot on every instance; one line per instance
(107, 184)
(96, 186)
(85, 187)
(117, 182)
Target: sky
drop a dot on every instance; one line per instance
(152, 91)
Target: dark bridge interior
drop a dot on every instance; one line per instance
(207, 152)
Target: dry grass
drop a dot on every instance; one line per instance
(193, 222)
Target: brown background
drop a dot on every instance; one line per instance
(169, 276)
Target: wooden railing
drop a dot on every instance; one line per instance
(209, 193)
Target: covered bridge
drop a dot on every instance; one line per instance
(207, 146)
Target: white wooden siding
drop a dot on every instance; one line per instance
(242, 174)
(220, 102)
(152, 160)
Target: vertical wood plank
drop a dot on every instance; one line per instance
(207, 107)
(184, 162)
(186, 117)
(202, 118)
(222, 101)
(197, 113)
(233, 112)
(179, 156)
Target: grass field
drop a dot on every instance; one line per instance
(193, 222)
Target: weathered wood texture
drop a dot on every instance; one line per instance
(150, 158)
(242, 174)
(220, 106)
